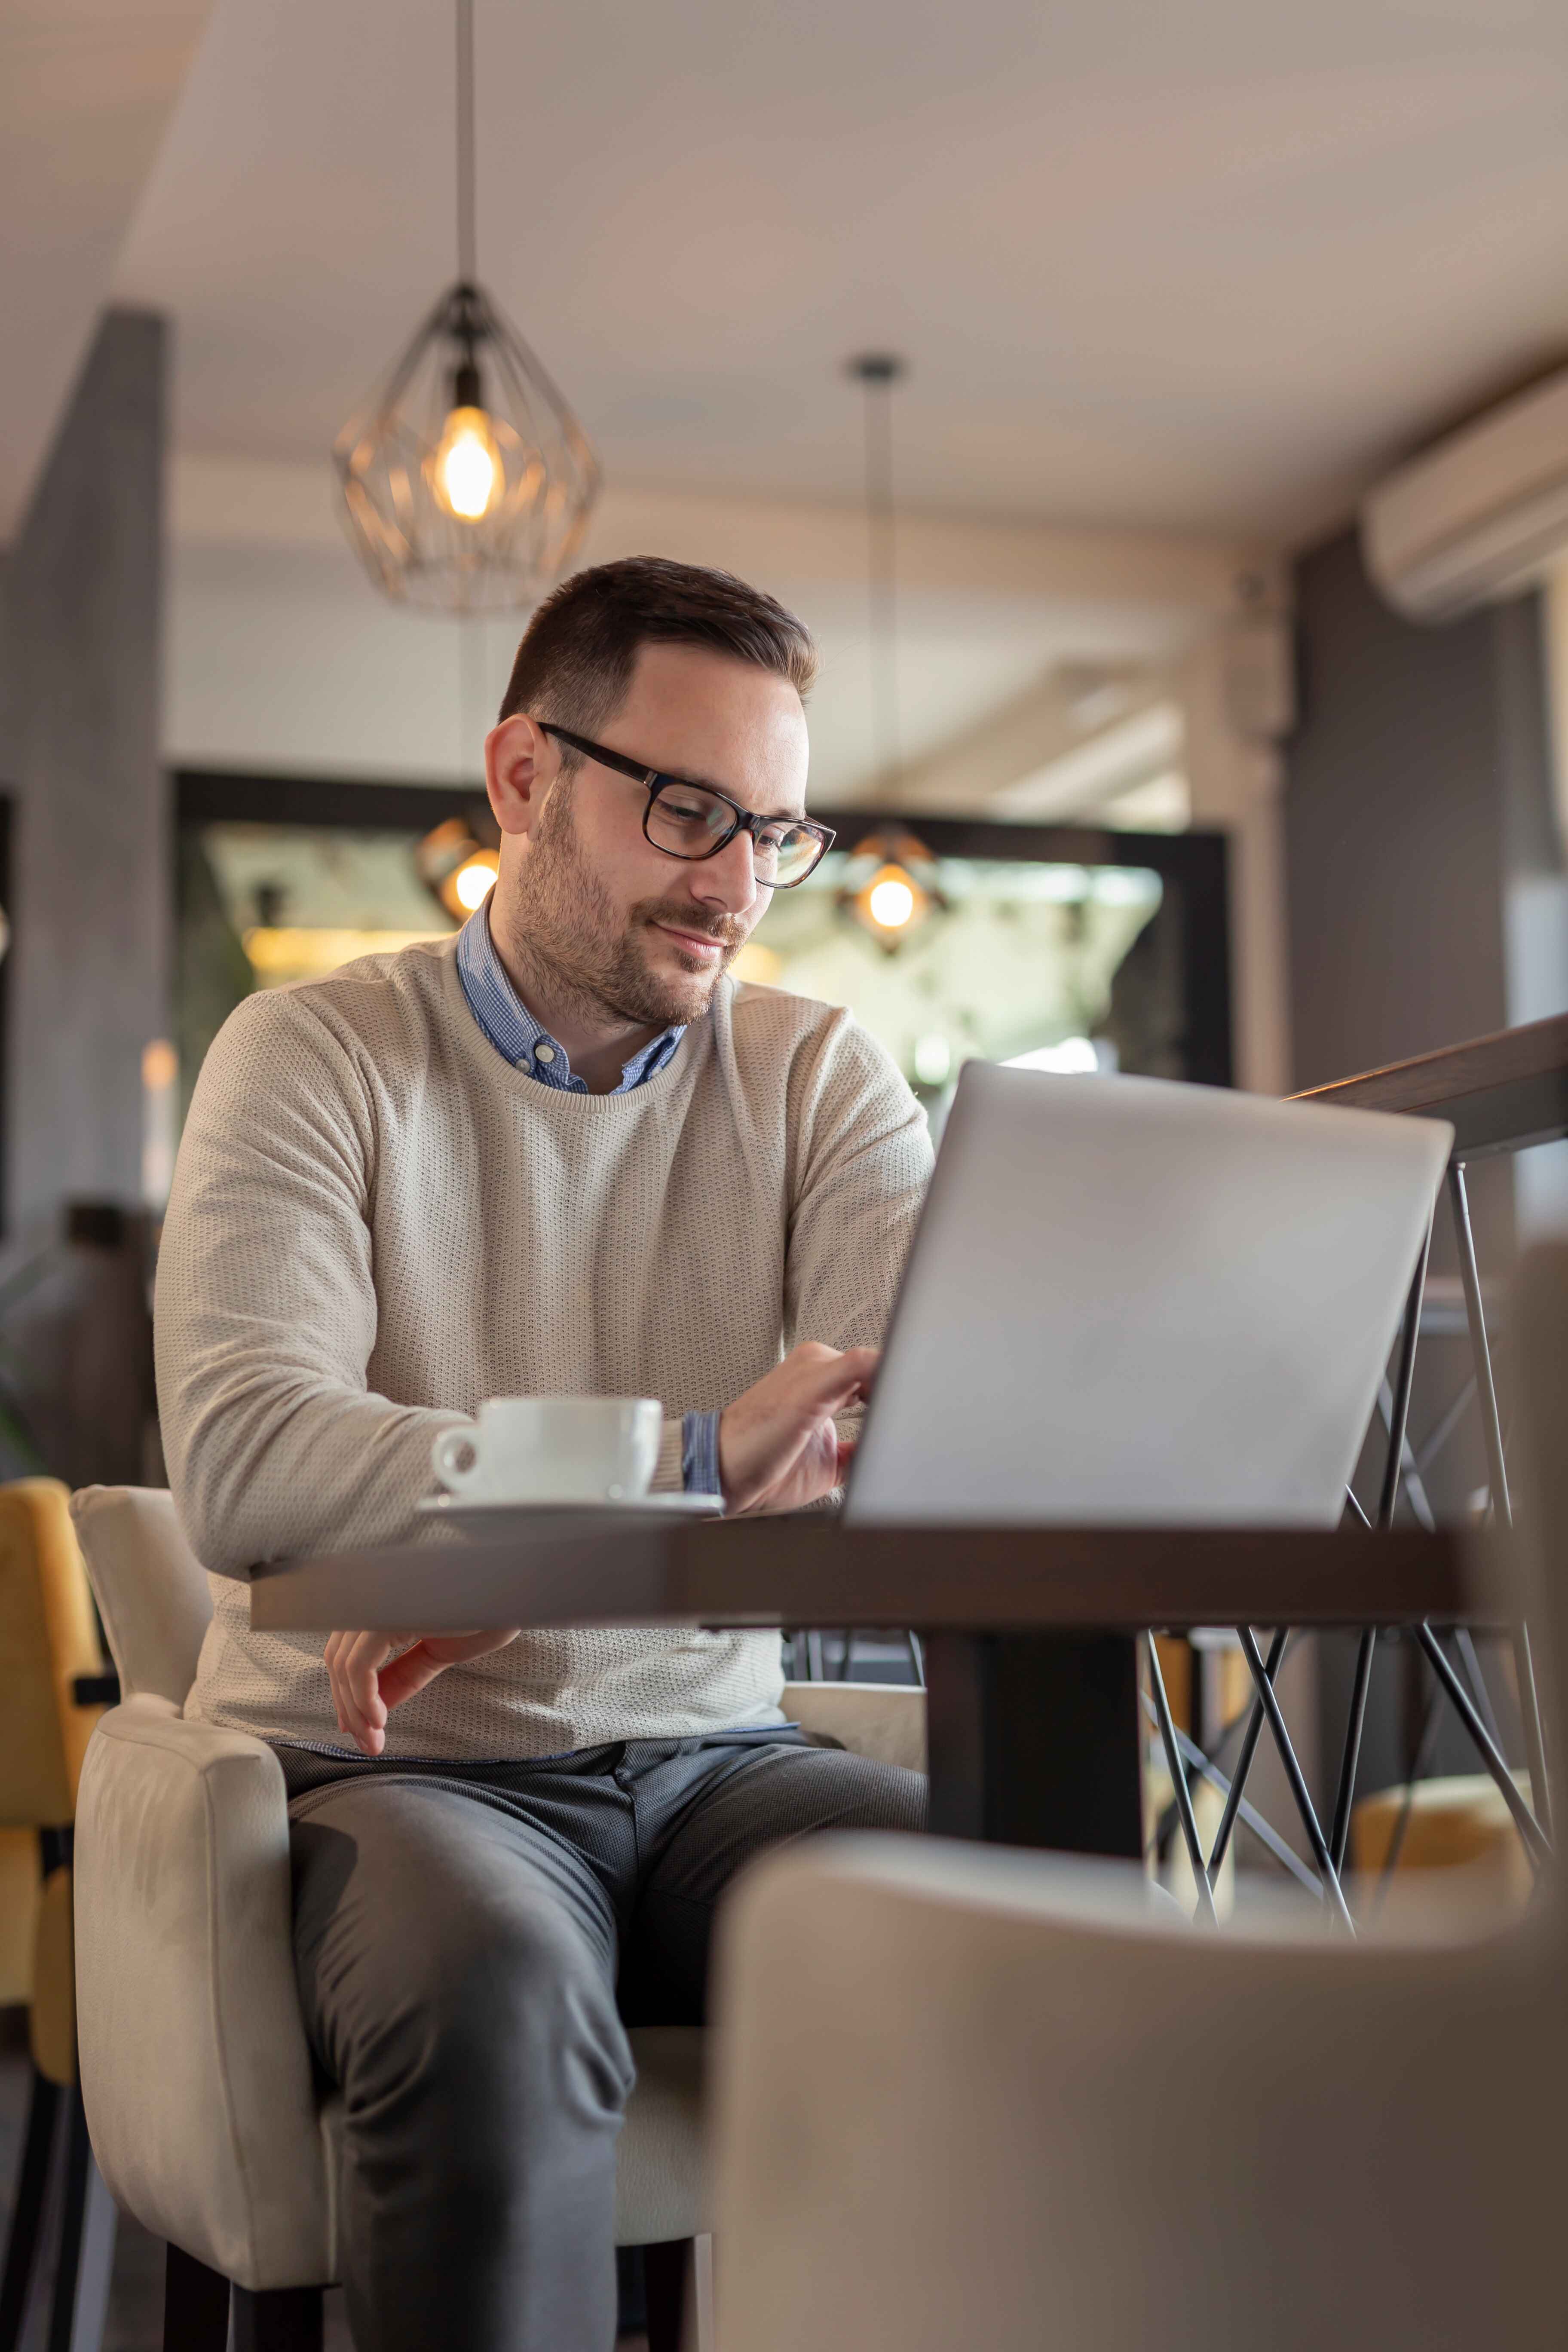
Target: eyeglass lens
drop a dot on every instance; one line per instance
(689, 823)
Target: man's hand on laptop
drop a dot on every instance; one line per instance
(370, 1675)
(778, 1448)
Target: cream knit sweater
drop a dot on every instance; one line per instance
(377, 1223)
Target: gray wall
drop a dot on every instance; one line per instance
(80, 750)
(1424, 878)
(1394, 810)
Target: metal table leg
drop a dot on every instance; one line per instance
(1296, 1777)
(1491, 1430)
(1388, 1503)
(1183, 1795)
(1233, 1795)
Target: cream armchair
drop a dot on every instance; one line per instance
(205, 2116)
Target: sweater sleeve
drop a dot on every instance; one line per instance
(863, 1163)
(265, 1312)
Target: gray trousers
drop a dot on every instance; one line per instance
(471, 1942)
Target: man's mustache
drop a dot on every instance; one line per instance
(724, 929)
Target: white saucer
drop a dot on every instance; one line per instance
(493, 1519)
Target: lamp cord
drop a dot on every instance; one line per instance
(467, 260)
(877, 376)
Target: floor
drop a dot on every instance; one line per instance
(136, 2301)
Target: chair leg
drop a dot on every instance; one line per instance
(95, 2277)
(703, 2330)
(666, 2268)
(196, 2305)
(279, 2319)
(22, 2249)
(86, 2260)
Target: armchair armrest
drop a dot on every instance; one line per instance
(885, 1721)
(195, 2068)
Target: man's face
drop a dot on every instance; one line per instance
(644, 934)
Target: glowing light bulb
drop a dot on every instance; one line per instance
(160, 1066)
(467, 468)
(472, 883)
(891, 903)
(934, 1058)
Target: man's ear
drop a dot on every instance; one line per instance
(521, 763)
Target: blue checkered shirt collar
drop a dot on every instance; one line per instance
(517, 1035)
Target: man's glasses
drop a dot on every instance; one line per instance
(691, 821)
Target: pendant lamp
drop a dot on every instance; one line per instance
(459, 862)
(466, 481)
(890, 887)
(891, 890)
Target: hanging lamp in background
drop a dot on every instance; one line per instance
(466, 481)
(890, 891)
(458, 860)
(890, 887)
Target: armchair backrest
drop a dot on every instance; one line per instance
(151, 1590)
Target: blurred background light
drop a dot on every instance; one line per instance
(1074, 1057)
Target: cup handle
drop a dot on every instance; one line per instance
(449, 1442)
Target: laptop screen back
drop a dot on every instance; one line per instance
(1130, 1300)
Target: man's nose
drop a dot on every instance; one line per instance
(728, 880)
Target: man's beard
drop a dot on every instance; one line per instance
(561, 923)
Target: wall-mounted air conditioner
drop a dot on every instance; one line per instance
(1480, 516)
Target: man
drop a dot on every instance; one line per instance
(564, 1154)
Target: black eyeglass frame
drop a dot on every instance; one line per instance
(654, 782)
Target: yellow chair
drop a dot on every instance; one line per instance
(1459, 1821)
(49, 1643)
(18, 1916)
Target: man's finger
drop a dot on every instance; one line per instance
(366, 1658)
(349, 1714)
(408, 1674)
(353, 1671)
(840, 1381)
(337, 1658)
(402, 1676)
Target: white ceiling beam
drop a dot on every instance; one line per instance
(1055, 724)
(239, 502)
(1134, 750)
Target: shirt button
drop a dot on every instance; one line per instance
(545, 1053)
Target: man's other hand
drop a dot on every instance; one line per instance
(368, 1680)
(778, 1449)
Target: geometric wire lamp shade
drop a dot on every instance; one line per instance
(467, 482)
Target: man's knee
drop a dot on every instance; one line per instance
(489, 2066)
(476, 1998)
(857, 1793)
(512, 2018)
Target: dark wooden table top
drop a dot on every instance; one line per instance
(811, 1572)
(1502, 1093)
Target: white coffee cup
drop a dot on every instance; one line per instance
(552, 1450)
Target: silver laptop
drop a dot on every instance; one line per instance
(1130, 1300)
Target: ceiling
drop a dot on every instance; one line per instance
(1195, 264)
(86, 91)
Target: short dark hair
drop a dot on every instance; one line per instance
(575, 664)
